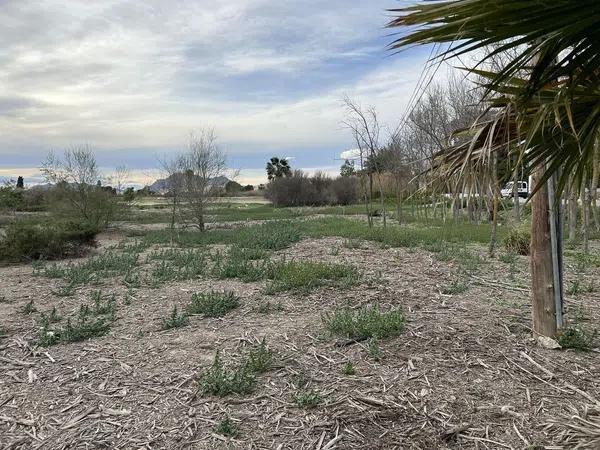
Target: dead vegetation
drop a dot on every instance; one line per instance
(389, 358)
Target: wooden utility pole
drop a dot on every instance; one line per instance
(546, 286)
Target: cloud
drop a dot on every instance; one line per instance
(353, 153)
(133, 78)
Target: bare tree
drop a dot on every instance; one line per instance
(203, 163)
(442, 109)
(77, 179)
(120, 178)
(173, 169)
(365, 128)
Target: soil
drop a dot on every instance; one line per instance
(465, 374)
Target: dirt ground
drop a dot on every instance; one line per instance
(465, 373)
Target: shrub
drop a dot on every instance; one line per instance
(366, 322)
(24, 241)
(11, 198)
(345, 190)
(213, 304)
(517, 241)
(301, 190)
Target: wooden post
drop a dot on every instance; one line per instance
(542, 272)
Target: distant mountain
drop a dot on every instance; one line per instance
(161, 186)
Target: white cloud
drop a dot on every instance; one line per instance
(122, 74)
(353, 153)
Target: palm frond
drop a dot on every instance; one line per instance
(554, 39)
(556, 129)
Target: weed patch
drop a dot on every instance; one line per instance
(577, 338)
(88, 324)
(366, 322)
(213, 304)
(304, 276)
(175, 319)
(226, 427)
(259, 360)
(221, 381)
(457, 286)
(308, 400)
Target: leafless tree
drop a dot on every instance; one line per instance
(120, 178)
(173, 168)
(77, 177)
(203, 163)
(365, 128)
(442, 109)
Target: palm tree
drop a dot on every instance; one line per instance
(277, 168)
(550, 118)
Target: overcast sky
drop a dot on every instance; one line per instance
(133, 78)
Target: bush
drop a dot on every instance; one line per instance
(517, 241)
(345, 190)
(26, 241)
(92, 204)
(11, 198)
(301, 190)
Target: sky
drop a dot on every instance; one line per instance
(132, 79)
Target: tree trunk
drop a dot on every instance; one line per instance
(516, 199)
(594, 185)
(494, 192)
(572, 214)
(586, 201)
(542, 279)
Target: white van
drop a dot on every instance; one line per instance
(522, 189)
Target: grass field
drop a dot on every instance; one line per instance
(291, 328)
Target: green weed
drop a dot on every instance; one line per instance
(237, 265)
(103, 304)
(508, 258)
(213, 304)
(457, 286)
(308, 400)
(29, 308)
(175, 319)
(226, 427)
(374, 349)
(355, 244)
(349, 368)
(259, 360)
(366, 322)
(304, 276)
(577, 338)
(221, 381)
